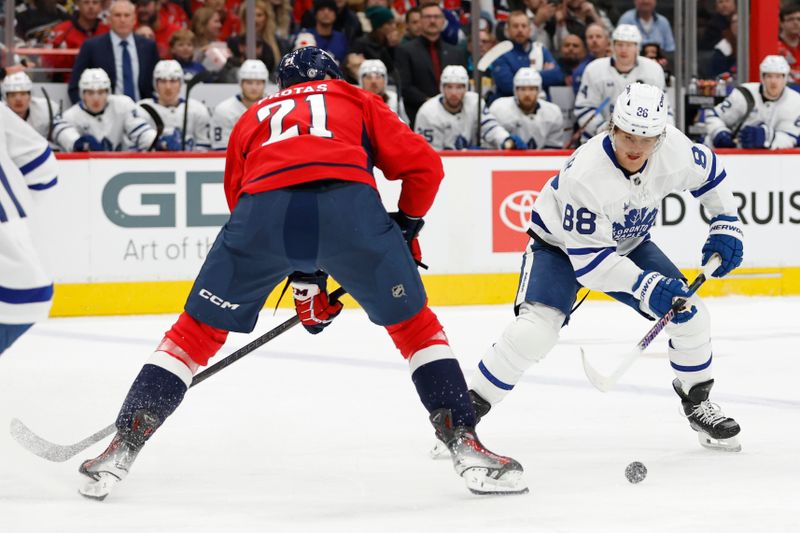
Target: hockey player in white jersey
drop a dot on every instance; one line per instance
(102, 121)
(372, 76)
(253, 76)
(590, 227)
(769, 118)
(449, 120)
(167, 102)
(34, 110)
(605, 78)
(27, 167)
(536, 121)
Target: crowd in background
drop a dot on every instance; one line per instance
(414, 39)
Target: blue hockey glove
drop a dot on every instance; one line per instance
(724, 139)
(755, 136)
(724, 238)
(88, 143)
(311, 302)
(410, 228)
(170, 142)
(656, 294)
(514, 142)
(461, 143)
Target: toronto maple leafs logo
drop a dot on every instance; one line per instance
(637, 223)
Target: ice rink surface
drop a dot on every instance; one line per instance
(326, 433)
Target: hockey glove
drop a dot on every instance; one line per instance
(724, 139)
(514, 142)
(311, 302)
(410, 228)
(724, 238)
(170, 142)
(656, 294)
(755, 136)
(87, 143)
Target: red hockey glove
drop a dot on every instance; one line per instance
(410, 228)
(311, 302)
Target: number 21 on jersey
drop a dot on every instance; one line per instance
(278, 111)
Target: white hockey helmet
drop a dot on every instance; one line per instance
(640, 110)
(167, 69)
(19, 82)
(527, 77)
(774, 65)
(253, 69)
(371, 66)
(627, 33)
(94, 79)
(453, 74)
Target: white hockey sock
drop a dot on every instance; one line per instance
(690, 348)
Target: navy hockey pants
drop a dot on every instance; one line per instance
(336, 226)
(548, 277)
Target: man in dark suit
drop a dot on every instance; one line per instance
(128, 59)
(420, 61)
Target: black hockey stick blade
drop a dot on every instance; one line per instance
(200, 77)
(751, 103)
(605, 383)
(50, 114)
(156, 120)
(58, 453)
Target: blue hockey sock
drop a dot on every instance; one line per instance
(11, 332)
(156, 390)
(441, 384)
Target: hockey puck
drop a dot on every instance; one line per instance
(635, 472)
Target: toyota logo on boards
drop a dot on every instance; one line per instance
(513, 195)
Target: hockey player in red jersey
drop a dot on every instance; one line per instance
(299, 183)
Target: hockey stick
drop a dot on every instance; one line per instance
(49, 114)
(59, 453)
(579, 131)
(605, 383)
(493, 53)
(157, 120)
(751, 103)
(200, 77)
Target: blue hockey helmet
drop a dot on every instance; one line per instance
(306, 64)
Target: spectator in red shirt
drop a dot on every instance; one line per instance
(789, 39)
(148, 14)
(206, 26)
(84, 24)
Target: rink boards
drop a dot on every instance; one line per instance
(127, 233)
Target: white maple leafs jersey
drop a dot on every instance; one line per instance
(27, 166)
(602, 83)
(39, 115)
(396, 105)
(198, 121)
(456, 131)
(224, 118)
(121, 122)
(597, 213)
(782, 116)
(543, 128)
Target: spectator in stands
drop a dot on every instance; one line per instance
(720, 21)
(128, 59)
(573, 17)
(540, 12)
(272, 47)
(146, 32)
(413, 24)
(524, 54)
(420, 61)
(654, 27)
(148, 14)
(281, 13)
(352, 64)
(599, 45)
(84, 24)
(789, 40)
(653, 51)
(173, 13)
(181, 47)
(332, 41)
(723, 60)
(206, 26)
(347, 21)
(380, 43)
(572, 54)
(34, 18)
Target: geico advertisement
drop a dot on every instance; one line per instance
(155, 219)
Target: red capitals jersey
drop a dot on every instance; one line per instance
(328, 130)
(69, 34)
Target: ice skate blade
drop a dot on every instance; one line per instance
(98, 489)
(478, 482)
(721, 445)
(439, 451)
